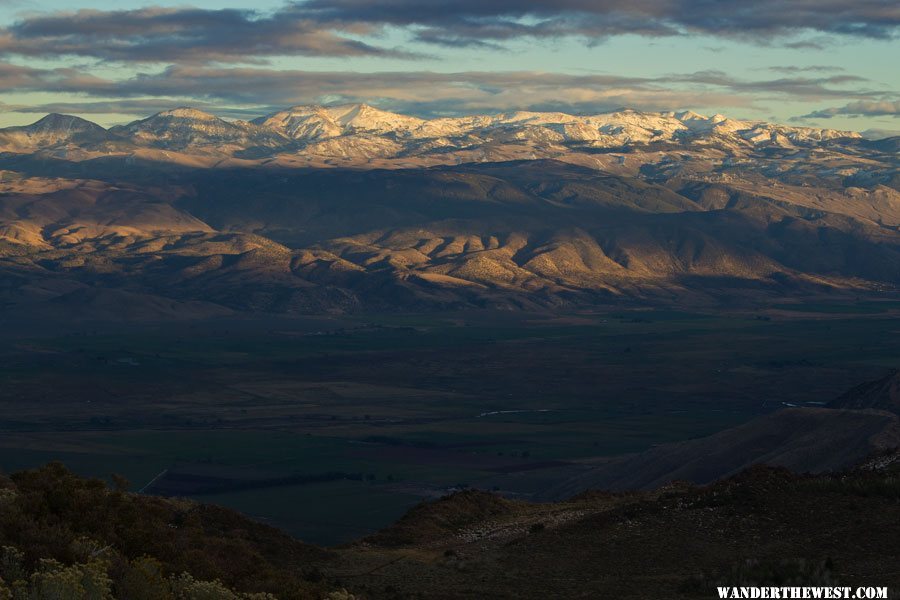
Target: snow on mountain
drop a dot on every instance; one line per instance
(302, 123)
(184, 128)
(361, 132)
(53, 129)
(307, 124)
(317, 122)
(362, 117)
(58, 127)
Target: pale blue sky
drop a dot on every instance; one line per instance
(853, 78)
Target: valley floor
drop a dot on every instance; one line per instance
(332, 427)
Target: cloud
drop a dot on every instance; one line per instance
(352, 28)
(183, 35)
(137, 107)
(861, 108)
(423, 92)
(14, 76)
(805, 88)
(790, 70)
(142, 106)
(403, 90)
(477, 21)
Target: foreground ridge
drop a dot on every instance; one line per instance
(680, 540)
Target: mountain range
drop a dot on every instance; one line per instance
(341, 208)
(185, 216)
(360, 134)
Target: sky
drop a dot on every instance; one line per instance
(821, 63)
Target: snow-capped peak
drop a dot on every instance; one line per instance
(308, 123)
(62, 123)
(186, 112)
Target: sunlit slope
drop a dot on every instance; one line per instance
(526, 234)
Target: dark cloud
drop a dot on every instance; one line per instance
(183, 35)
(428, 93)
(14, 76)
(350, 28)
(860, 108)
(480, 20)
(24, 78)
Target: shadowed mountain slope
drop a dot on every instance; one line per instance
(883, 394)
(801, 439)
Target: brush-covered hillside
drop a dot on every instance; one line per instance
(65, 537)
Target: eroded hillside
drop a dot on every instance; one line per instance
(531, 234)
